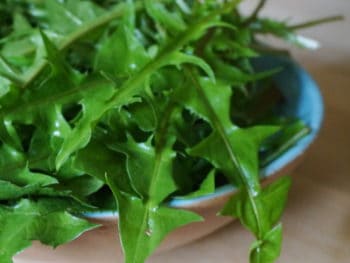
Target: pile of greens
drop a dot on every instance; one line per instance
(122, 105)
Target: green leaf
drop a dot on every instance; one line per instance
(64, 17)
(13, 168)
(232, 150)
(94, 105)
(181, 58)
(245, 208)
(99, 161)
(103, 93)
(143, 221)
(269, 249)
(148, 168)
(82, 186)
(144, 114)
(121, 55)
(131, 87)
(7, 71)
(272, 198)
(143, 226)
(172, 21)
(44, 220)
(240, 159)
(10, 191)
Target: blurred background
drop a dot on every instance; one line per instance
(317, 219)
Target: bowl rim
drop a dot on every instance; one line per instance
(314, 118)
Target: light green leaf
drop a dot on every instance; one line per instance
(10, 191)
(94, 105)
(272, 200)
(143, 226)
(131, 87)
(13, 168)
(245, 207)
(82, 186)
(42, 220)
(172, 21)
(121, 55)
(181, 58)
(64, 17)
(269, 249)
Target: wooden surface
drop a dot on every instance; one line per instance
(317, 219)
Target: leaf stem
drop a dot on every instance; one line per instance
(316, 22)
(221, 131)
(161, 134)
(63, 96)
(255, 13)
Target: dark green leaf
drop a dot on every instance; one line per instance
(207, 187)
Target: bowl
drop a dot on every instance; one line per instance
(303, 100)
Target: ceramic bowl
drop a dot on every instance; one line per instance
(303, 100)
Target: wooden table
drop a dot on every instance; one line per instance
(317, 219)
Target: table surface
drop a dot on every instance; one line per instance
(317, 219)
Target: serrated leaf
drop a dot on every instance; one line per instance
(84, 83)
(233, 150)
(94, 105)
(121, 55)
(124, 95)
(272, 200)
(219, 93)
(149, 167)
(99, 161)
(15, 170)
(241, 145)
(143, 226)
(41, 220)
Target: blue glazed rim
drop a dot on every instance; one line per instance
(303, 100)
